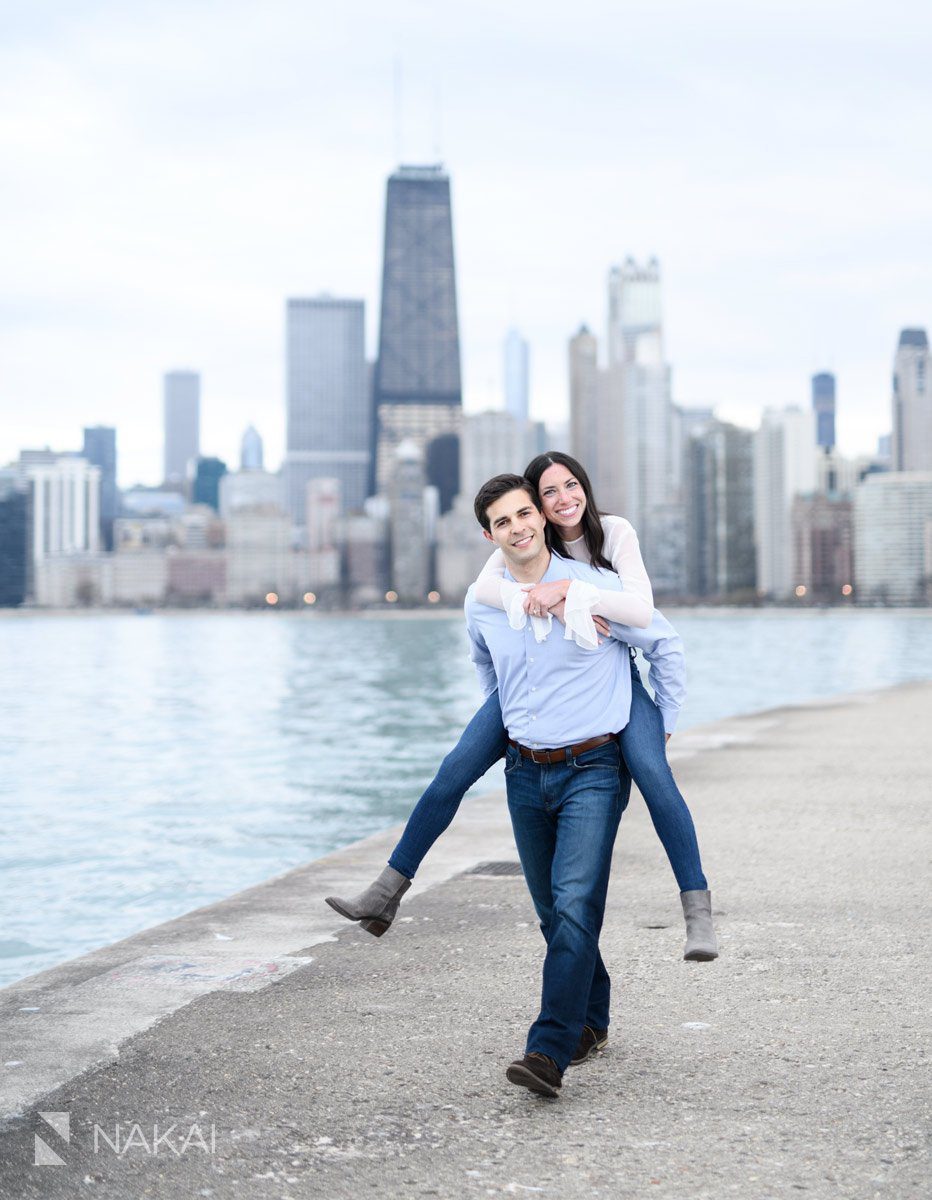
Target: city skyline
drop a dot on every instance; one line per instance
(785, 203)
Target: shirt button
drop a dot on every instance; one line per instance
(530, 660)
(534, 689)
(533, 716)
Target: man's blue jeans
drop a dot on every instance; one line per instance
(483, 743)
(565, 817)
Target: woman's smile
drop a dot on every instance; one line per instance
(562, 499)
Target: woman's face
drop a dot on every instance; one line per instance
(562, 500)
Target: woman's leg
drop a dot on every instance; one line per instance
(643, 744)
(481, 745)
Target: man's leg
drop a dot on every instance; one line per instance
(535, 831)
(597, 1012)
(584, 795)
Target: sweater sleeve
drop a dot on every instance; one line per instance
(634, 605)
(492, 588)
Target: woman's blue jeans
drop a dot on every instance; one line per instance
(643, 744)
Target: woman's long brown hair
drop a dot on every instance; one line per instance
(592, 526)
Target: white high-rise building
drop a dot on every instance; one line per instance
(65, 506)
(494, 443)
(912, 403)
(784, 466)
(410, 564)
(647, 436)
(329, 428)
(635, 313)
(182, 398)
(892, 542)
(251, 450)
(517, 363)
(585, 411)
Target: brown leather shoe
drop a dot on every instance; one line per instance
(538, 1073)
(591, 1041)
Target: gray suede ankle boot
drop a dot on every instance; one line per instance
(701, 943)
(377, 905)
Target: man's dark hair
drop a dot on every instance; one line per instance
(494, 489)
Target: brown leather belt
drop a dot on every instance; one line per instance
(556, 756)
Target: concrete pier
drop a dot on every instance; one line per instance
(289, 1054)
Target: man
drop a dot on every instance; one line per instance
(562, 707)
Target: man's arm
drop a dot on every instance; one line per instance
(478, 650)
(663, 649)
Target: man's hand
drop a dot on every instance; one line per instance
(601, 625)
(542, 597)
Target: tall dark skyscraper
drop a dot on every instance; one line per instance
(100, 449)
(417, 393)
(823, 405)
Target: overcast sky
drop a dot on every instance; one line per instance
(170, 172)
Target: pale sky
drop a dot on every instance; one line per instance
(171, 172)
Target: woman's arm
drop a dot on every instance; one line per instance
(492, 588)
(635, 605)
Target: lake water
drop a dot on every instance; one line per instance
(150, 765)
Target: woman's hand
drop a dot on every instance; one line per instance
(543, 597)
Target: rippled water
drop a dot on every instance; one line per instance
(149, 765)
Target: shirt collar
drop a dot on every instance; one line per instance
(547, 575)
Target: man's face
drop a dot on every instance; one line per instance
(517, 526)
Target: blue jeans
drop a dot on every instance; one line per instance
(643, 744)
(483, 743)
(565, 817)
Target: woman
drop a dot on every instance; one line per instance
(575, 530)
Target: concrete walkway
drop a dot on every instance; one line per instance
(797, 1064)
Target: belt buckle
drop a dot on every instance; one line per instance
(541, 762)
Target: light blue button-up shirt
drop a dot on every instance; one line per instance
(554, 693)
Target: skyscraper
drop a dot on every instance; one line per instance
(494, 443)
(100, 449)
(585, 385)
(892, 516)
(417, 394)
(329, 423)
(65, 503)
(409, 547)
(206, 485)
(719, 485)
(15, 537)
(517, 356)
(640, 382)
(251, 450)
(182, 393)
(784, 467)
(912, 403)
(823, 405)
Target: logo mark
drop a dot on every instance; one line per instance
(60, 1122)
